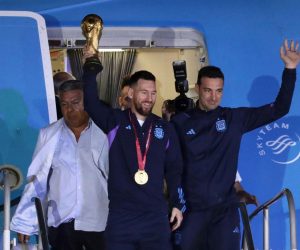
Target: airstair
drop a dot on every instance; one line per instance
(265, 208)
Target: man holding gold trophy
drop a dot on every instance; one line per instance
(144, 149)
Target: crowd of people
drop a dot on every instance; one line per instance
(101, 172)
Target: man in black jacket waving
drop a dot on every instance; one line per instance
(210, 137)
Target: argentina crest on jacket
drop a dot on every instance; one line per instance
(159, 132)
(221, 125)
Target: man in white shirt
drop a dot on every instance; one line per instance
(69, 172)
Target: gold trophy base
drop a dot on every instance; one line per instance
(93, 64)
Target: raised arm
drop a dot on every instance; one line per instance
(256, 117)
(96, 109)
(289, 54)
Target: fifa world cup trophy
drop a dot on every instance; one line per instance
(91, 26)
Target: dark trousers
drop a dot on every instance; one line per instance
(138, 231)
(64, 237)
(211, 229)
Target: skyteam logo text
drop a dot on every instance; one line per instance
(279, 143)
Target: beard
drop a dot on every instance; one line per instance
(143, 111)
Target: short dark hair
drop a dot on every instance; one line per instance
(142, 74)
(211, 72)
(61, 77)
(70, 85)
(125, 82)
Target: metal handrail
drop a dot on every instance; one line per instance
(292, 216)
(246, 223)
(42, 223)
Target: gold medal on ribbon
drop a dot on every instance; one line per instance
(141, 177)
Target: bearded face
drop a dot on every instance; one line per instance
(143, 96)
